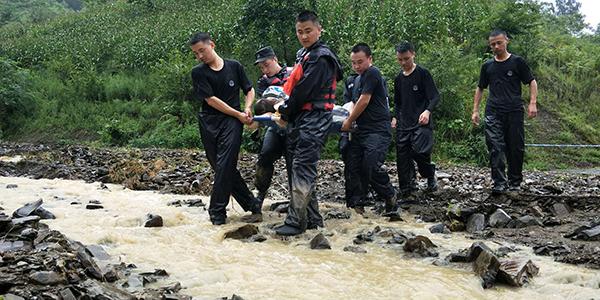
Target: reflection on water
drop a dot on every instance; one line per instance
(195, 254)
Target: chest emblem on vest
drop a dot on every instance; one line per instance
(509, 73)
(231, 83)
(415, 87)
(350, 85)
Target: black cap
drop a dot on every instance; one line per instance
(263, 54)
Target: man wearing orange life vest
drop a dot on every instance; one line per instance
(311, 89)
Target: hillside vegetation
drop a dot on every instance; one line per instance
(117, 73)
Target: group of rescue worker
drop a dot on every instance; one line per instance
(366, 133)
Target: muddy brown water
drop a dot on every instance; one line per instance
(195, 253)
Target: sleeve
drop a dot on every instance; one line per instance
(309, 85)
(202, 89)
(484, 81)
(369, 81)
(397, 97)
(261, 86)
(525, 74)
(347, 90)
(245, 83)
(431, 92)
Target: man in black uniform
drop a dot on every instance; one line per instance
(311, 88)
(504, 132)
(274, 143)
(415, 98)
(217, 83)
(372, 136)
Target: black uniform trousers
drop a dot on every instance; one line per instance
(273, 147)
(307, 134)
(222, 137)
(412, 146)
(366, 155)
(505, 139)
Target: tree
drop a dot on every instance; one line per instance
(569, 14)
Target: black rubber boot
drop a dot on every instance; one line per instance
(287, 230)
(432, 184)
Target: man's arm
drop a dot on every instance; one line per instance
(432, 95)
(359, 107)
(223, 107)
(248, 101)
(533, 92)
(476, 101)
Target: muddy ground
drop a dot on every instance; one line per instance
(551, 205)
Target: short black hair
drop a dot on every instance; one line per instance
(362, 47)
(405, 47)
(308, 15)
(497, 32)
(200, 37)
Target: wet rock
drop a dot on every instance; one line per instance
(337, 214)
(525, 221)
(439, 228)
(28, 234)
(499, 219)
(355, 249)
(5, 222)
(280, 207)
(153, 221)
(97, 252)
(320, 242)
(456, 226)
(476, 223)
(243, 232)
(25, 221)
(537, 211)
(46, 278)
(100, 290)
(469, 255)
(486, 266)
(552, 189)
(504, 250)
(33, 208)
(134, 283)
(11, 186)
(156, 272)
(421, 245)
(586, 232)
(551, 221)
(364, 238)
(257, 238)
(14, 246)
(67, 294)
(560, 209)
(92, 205)
(517, 272)
(12, 297)
(551, 249)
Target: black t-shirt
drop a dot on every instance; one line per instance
(266, 81)
(504, 79)
(224, 84)
(376, 116)
(413, 94)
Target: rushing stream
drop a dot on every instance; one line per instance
(194, 252)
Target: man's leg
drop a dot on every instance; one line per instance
(404, 162)
(515, 148)
(358, 184)
(306, 139)
(272, 149)
(494, 138)
(422, 146)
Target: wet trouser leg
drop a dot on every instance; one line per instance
(404, 162)
(514, 135)
(496, 144)
(422, 145)
(273, 148)
(306, 137)
(221, 137)
(349, 181)
(355, 181)
(374, 148)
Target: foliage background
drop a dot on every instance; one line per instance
(115, 72)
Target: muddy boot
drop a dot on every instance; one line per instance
(432, 184)
(498, 190)
(287, 230)
(392, 210)
(217, 220)
(252, 218)
(359, 209)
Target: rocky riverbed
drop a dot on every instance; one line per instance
(556, 213)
